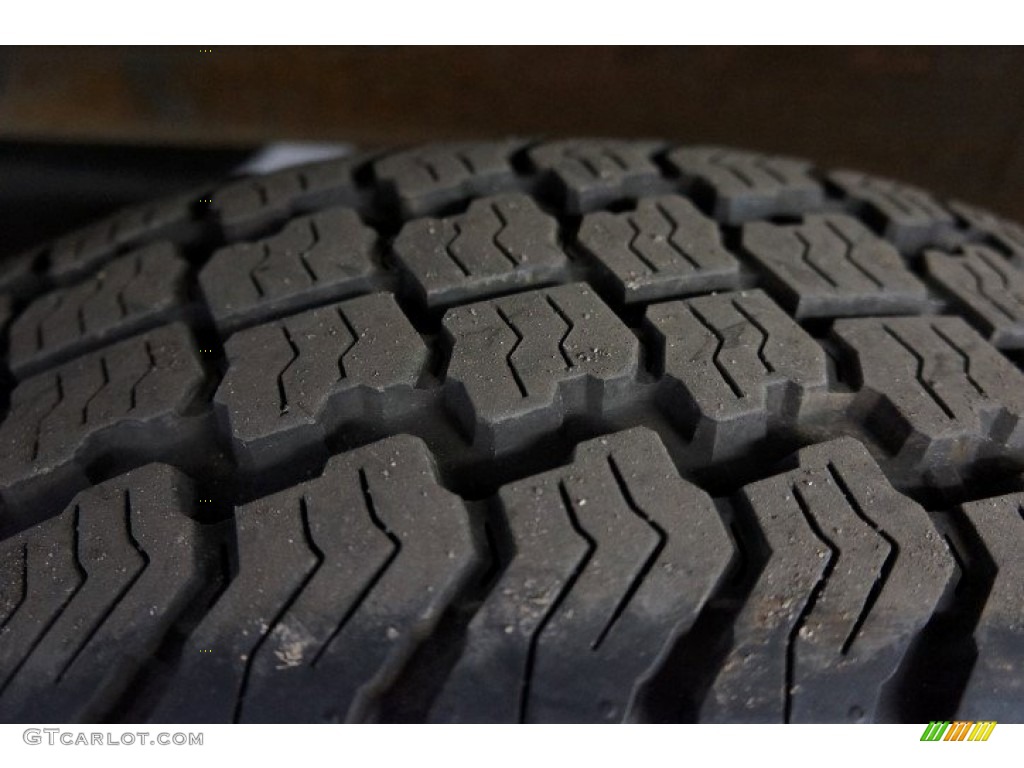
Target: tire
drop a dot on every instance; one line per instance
(587, 431)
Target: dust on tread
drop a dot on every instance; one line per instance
(131, 293)
(853, 572)
(614, 557)
(340, 578)
(105, 582)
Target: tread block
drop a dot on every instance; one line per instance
(423, 179)
(664, 248)
(100, 587)
(500, 243)
(316, 258)
(906, 216)
(615, 555)
(1006, 236)
(339, 580)
(249, 206)
(73, 256)
(831, 265)
(743, 186)
(996, 685)
(854, 571)
(291, 382)
(131, 293)
(519, 363)
(132, 395)
(935, 392)
(17, 273)
(735, 366)
(987, 288)
(591, 173)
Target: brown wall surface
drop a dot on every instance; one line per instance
(951, 119)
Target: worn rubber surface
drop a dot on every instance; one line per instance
(514, 431)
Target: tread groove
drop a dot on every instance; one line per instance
(499, 246)
(508, 357)
(631, 247)
(465, 161)
(765, 330)
(919, 373)
(716, 159)
(256, 282)
(282, 393)
(965, 359)
(768, 366)
(812, 598)
(57, 304)
(124, 590)
(848, 254)
(716, 356)
(275, 621)
(887, 565)
(97, 288)
(648, 564)
(805, 257)
(982, 290)
(99, 390)
(59, 380)
(83, 578)
(563, 592)
(569, 325)
(122, 305)
(762, 164)
(986, 259)
(450, 250)
(670, 238)
(429, 167)
(348, 347)
(133, 392)
(303, 253)
(396, 547)
(585, 161)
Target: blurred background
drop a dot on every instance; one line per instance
(87, 130)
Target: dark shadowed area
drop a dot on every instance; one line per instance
(950, 119)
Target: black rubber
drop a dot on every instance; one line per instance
(515, 431)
